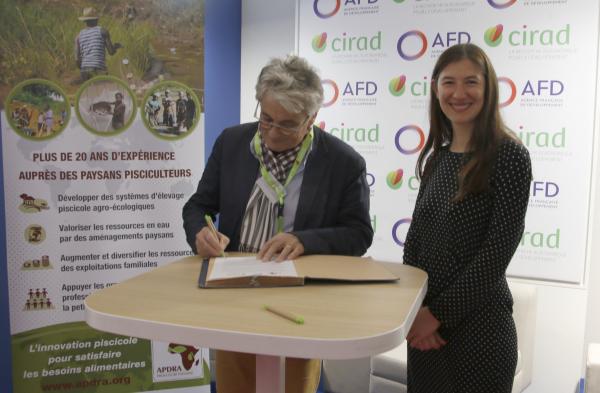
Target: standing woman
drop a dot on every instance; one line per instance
(467, 223)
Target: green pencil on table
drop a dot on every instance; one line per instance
(285, 314)
(214, 231)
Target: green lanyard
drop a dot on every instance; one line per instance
(274, 184)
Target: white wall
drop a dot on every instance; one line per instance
(564, 316)
(268, 30)
(592, 328)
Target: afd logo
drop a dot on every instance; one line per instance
(543, 139)
(350, 89)
(331, 92)
(409, 139)
(327, 8)
(531, 88)
(397, 86)
(544, 189)
(395, 180)
(543, 87)
(507, 91)
(346, 43)
(493, 36)
(414, 43)
(399, 231)
(370, 180)
(501, 4)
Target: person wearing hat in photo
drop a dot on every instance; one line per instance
(118, 118)
(91, 45)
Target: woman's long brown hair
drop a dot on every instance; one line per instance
(488, 131)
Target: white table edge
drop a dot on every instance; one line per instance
(300, 347)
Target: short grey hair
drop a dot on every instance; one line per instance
(293, 83)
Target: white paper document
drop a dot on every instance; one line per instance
(249, 267)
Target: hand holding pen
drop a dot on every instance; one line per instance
(209, 241)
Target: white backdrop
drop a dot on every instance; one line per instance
(375, 58)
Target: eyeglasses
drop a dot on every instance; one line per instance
(267, 125)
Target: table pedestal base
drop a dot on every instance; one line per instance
(270, 374)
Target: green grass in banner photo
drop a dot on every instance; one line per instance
(67, 356)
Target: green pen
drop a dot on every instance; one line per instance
(213, 229)
(287, 315)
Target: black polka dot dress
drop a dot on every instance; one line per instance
(465, 248)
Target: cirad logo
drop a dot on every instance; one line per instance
(326, 8)
(399, 231)
(413, 44)
(331, 92)
(541, 239)
(501, 4)
(507, 91)
(346, 42)
(396, 179)
(409, 139)
(319, 42)
(359, 134)
(398, 86)
(493, 35)
(543, 139)
(527, 36)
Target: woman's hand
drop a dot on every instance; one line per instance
(423, 333)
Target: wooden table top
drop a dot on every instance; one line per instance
(342, 321)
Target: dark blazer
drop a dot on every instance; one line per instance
(333, 209)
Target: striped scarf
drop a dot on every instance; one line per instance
(260, 218)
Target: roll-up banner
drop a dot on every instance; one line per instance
(103, 141)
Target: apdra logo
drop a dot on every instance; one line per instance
(503, 83)
(399, 231)
(405, 140)
(331, 90)
(328, 10)
(493, 35)
(319, 42)
(397, 86)
(394, 179)
(501, 4)
(187, 353)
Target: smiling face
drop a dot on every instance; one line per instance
(460, 89)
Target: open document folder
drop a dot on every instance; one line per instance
(247, 271)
